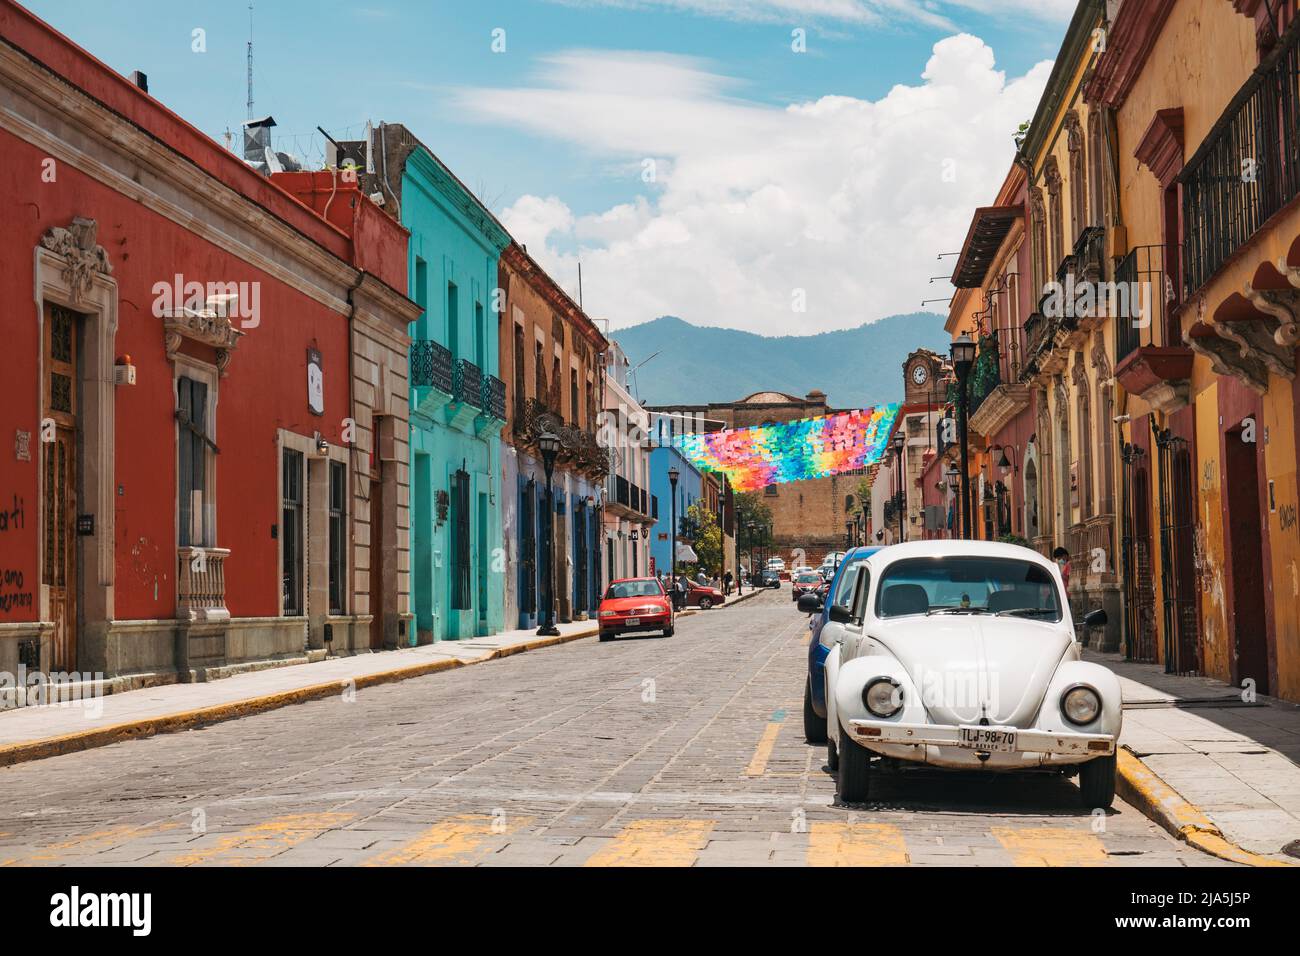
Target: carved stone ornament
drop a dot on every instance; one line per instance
(1281, 304)
(84, 258)
(206, 327)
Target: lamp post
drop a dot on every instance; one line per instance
(848, 534)
(549, 444)
(963, 357)
(953, 474)
(673, 475)
(752, 528)
(899, 442)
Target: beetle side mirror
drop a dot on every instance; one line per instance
(840, 614)
(809, 603)
(1095, 618)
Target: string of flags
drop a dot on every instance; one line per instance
(753, 458)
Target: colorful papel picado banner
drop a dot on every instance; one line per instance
(753, 458)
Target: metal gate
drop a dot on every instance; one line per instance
(1177, 553)
(1135, 556)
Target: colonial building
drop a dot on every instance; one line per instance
(457, 400)
(897, 506)
(203, 381)
(631, 509)
(553, 355)
(1205, 214)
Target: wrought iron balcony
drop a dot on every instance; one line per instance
(1246, 169)
(467, 384)
(1142, 298)
(431, 366)
(493, 399)
(1090, 255)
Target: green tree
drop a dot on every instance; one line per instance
(750, 509)
(707, 539)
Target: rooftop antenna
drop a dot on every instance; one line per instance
(250, 61)
(579, 283)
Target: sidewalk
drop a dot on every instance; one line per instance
(1237, 762)
(32, 733)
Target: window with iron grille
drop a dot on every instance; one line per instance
(291, 531)
(191, 413)
(337, 542)
(460, 542)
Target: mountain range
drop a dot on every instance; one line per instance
(697, 364)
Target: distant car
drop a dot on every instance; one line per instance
(768, 578)
(776, 564)
(806, 583)
(839, 594)
(832, 561)
(803, 569)
(703, 596)
(635, 604)
(992, 622)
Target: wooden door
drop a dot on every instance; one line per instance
(59, 504)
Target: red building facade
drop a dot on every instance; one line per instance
(205, 384)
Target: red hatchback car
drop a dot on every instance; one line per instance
(635, 604)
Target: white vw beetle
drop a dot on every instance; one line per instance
(961, 654)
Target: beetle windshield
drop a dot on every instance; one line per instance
(968, 585)
(630, 589)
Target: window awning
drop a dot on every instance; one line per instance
(988, 228)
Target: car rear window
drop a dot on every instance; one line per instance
(629, 589)
(810, 579)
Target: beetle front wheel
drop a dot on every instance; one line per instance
(855, 770)
(1097, 783)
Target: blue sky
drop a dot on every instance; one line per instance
(555, 132)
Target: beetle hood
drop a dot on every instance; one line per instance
(970, 666)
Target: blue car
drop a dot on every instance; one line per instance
(840, 594)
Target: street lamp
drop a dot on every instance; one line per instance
(848, 534)
(752, 527)
(953, 474)
(963, 357)
(673, 475)
(549, 443)
(902, 485)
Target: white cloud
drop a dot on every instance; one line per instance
(843, 198)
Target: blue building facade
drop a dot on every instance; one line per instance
(689, 489)
(457, 397)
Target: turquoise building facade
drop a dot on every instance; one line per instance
(457, 397)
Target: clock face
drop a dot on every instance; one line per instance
(919, 373)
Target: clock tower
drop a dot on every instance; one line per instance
(921, 374)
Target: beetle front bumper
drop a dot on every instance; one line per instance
(1028, 740)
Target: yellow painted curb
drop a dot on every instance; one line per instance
(1141, 786)
(25, 751)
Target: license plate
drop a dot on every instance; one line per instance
(988, 739)
(633, 620)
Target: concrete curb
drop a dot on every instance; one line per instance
(1141, 786)
(25, 751)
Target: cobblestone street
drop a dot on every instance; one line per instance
(643, 751)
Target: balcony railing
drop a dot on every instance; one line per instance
(431, 366)
(467, 384)
(1090, 255)
(621, 491)
(1142, 299)
(1246, 169)
(201, 584)
(494, 397)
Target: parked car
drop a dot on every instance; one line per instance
(824, 636)
(769, 578)
(703, 596)
(635, 604)
(832, 561)
(776, 564)
(962, 655)
(806, 583)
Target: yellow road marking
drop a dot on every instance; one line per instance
(261, 842)
(449, 841)
(88, 843)
(655, 843)
(1051, 846)
(856, 844)
(764, 750)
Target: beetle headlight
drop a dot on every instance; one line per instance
(1080, 705)
(883, 697)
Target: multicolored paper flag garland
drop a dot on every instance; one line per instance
(753, 458)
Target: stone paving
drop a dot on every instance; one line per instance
(644, 751)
